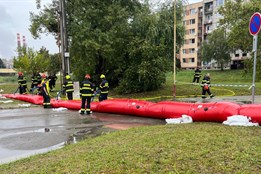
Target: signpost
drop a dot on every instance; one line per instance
(254, 28)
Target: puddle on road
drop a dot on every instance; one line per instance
(25, 132)
(123, 126)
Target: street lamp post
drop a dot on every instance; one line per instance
(174, 49)
(63, 38)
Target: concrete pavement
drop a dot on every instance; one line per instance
(235, 99)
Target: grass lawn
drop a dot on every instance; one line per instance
(184, 87)
(186, 148)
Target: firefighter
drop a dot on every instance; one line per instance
(52, 82)
(68, 87)
(34, 84)
(104, 88)
(197, 75)
(206, 86)
(39, 81)
(86, 93)
(40, 86)
(39, 78)
(45, 93)
(22, 83)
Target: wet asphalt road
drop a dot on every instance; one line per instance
(27, 131)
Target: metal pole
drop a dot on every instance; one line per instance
(255, 37)
(174, 51)
(66, 48)
(62, 37)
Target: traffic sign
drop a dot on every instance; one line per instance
(255, 24)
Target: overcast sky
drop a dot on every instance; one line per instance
(14, 18)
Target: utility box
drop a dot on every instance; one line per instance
(76, 93)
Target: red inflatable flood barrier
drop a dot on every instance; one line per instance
(253, 111)
(209, 112)
(35, 99)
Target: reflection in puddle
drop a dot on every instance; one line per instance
(123, 126)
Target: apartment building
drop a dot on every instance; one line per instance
(193, 18)
(200, 19)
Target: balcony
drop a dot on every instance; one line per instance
(208, 21)
(208, 10)
(207, 32)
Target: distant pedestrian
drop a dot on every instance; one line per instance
(197, 75)
(86, 93)
(206, 86)
(104, 88)
(68, 86)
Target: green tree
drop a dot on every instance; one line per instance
(2, 65)
(46, 21)
(236, 18)
(55, 64)
(30, 61)
(149, 52)
(117, 37)
(216, 48)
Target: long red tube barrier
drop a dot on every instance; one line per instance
(207, 112)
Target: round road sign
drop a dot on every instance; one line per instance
(255, 24)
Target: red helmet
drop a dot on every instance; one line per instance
(43, 76)
(87, 76)
(20, 73)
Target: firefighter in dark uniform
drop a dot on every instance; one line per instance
(104, 88)
(68, 86)
(22, 83)
(197, 75)
(39, 78)
(43, 77)
(86, 93)
(45, 93)
(34, 84)
(52, 82)
(206, 86)
(39, 81)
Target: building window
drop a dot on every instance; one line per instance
(191, 60)
(209, 17)
(220, 2)
(192, 21)
(236, 55)
(191, 41)
(208, 28)
(192, 11)
(192, 50)
(184, 51)
(183, 60)
(244, 54)
(191, 31)
(209, 7)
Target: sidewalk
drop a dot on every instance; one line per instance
(243, 99)
(235, 99)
